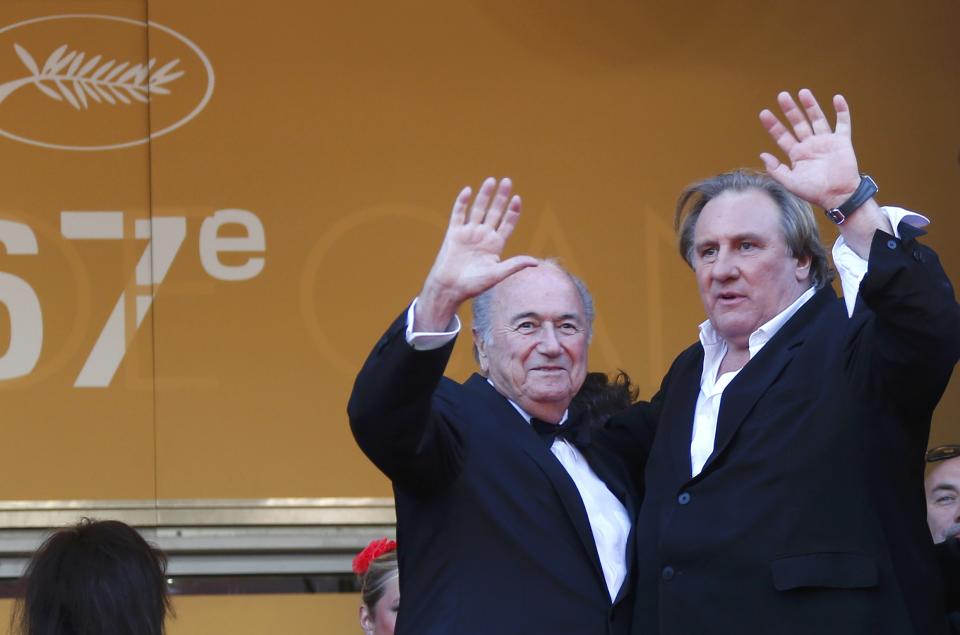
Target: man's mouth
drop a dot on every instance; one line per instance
(728, 297)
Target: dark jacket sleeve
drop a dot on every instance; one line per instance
(401, 418)
(916, 327)
(948, 558)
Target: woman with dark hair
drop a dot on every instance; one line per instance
(600, 397)
(377, 572)
(95, 578)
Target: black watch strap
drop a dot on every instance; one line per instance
(863, 193)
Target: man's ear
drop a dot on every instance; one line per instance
(480, 352)
(803, 267)
(366, 620)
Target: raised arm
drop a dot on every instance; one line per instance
(469, 259)
(822, 166)
(400, 426)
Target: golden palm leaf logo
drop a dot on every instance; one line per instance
(81, 82)
(73, 78)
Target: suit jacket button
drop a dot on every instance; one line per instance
(684, 498)
(891, 244)
(667, 573)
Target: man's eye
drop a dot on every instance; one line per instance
(945, 500)
(746, 245)
(708, 252)
(569, 328)
(526, 327)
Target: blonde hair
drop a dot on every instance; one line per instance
(373, 582)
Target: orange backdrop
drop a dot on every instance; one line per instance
(304, 160)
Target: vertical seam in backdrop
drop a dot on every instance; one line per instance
(153, 284)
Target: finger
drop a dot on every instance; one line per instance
(778, 132)
(495, 213)
(510, 266)
(459, 213)
(818, 121)
(479, 209)
(510, 218)
(843, 115)
(793, 113)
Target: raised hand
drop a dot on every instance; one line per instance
(823, 165)
(469, 259)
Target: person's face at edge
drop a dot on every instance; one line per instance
(942, 487)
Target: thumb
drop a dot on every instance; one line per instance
(777, 170)
(510, 266)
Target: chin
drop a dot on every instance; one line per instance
(550, 394)
(730, 329)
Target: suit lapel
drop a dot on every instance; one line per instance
(681, 420)
(523, 437)
(762, 371)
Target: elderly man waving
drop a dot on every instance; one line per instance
(511, 518)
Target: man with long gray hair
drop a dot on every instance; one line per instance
(784, 482)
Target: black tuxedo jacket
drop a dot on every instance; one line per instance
(809, 516)
(493, 535)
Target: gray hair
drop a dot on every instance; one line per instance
(483, 304)
(797, 223)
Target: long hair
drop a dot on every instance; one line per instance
(95, 578)
(600, 397)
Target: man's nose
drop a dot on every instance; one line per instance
(725, 266)
(549, 343)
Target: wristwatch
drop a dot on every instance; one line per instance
(861, 195)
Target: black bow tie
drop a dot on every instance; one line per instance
(573, 430)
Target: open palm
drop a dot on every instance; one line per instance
(823, 166)
(469, 259)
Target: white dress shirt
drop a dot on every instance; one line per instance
(608, 518)
(609, 521)
(711, 387)
(851, 268)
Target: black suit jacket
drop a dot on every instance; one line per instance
(493, 535)
(809, 516)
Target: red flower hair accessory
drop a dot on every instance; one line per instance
(371, 552)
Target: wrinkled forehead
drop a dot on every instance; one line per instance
(739, 211)
(545, 290)
(943, 473)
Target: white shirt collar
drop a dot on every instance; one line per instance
(714, 347)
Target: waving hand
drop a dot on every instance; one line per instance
(469, 259)
(823, 165)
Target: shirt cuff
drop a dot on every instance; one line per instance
(430, 341)
(852, 267)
